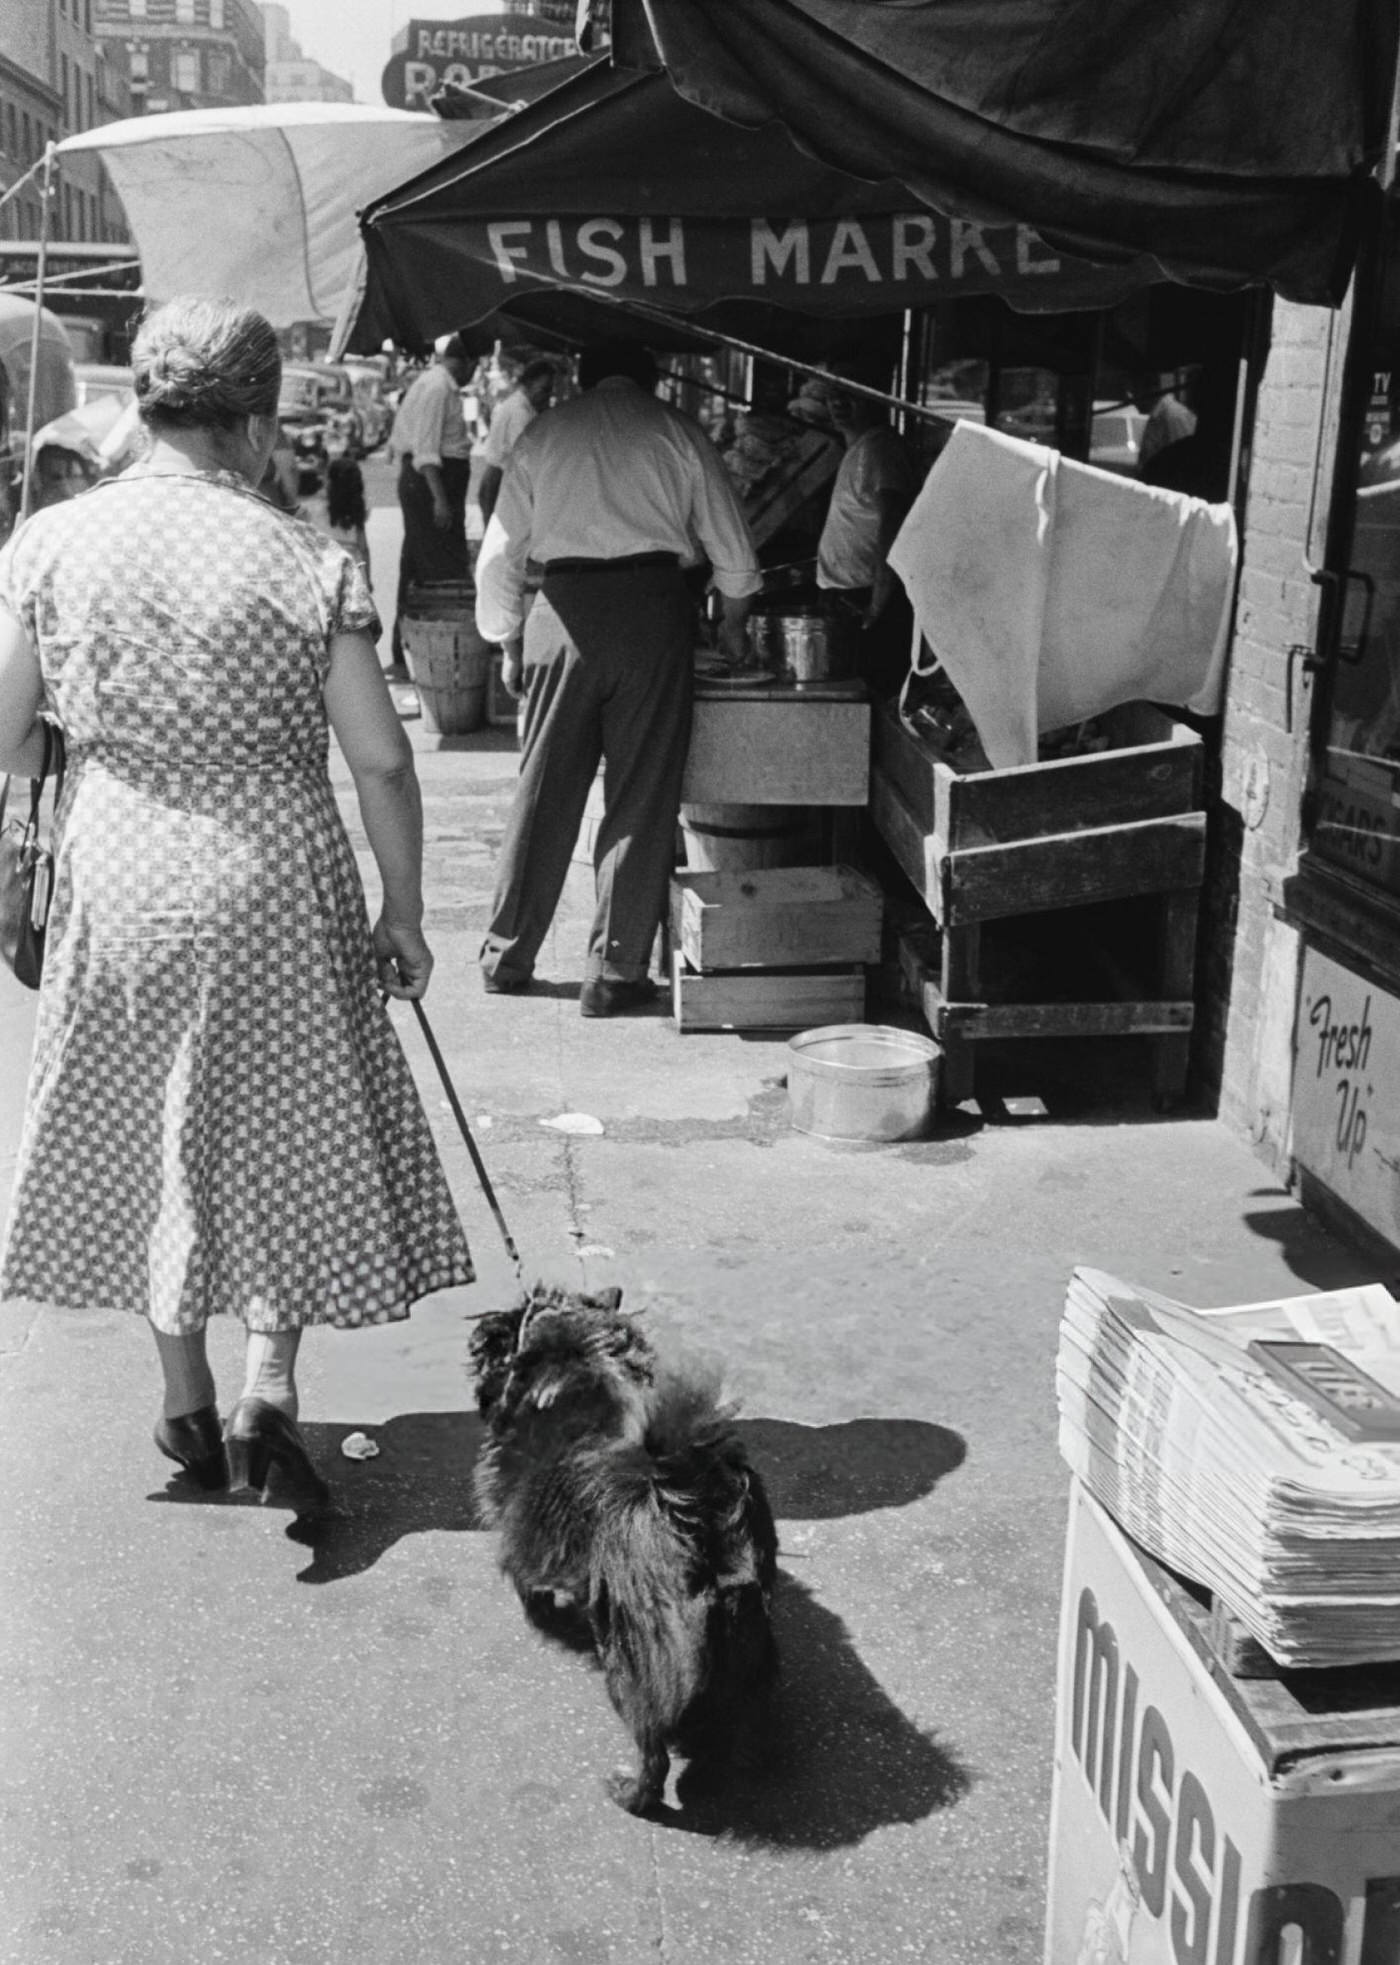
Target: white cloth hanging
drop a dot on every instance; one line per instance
(1051, 591)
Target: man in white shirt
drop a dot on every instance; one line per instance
(614, 496)
(512, 416)
(874, 488)
(434, 451)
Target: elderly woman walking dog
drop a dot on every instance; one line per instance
(220, 1119)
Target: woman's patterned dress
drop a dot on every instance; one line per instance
(220, 1117)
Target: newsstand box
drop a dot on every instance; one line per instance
(1200, 1819)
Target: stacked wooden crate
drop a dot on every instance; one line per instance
(775, 948)
(984, 846)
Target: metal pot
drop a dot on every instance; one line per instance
(813, 647)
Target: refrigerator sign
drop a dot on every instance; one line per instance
(441, 52)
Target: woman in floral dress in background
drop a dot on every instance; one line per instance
(220, 1119)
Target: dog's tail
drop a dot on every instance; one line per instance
(683, 1565)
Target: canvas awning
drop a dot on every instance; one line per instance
(613, 188)
(1228, 139)
(260, 202)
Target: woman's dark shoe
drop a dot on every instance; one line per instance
(266, 1451)
(194, 1442)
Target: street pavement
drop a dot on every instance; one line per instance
(222, 1744)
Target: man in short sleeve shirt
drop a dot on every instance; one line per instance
(872, 493)
(616, 497)
(513, 416)
(434, 451)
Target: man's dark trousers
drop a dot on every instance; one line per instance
(608, 674)
(431, 552)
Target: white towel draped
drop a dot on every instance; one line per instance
(1051, 591)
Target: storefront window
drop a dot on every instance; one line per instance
(1358, 807)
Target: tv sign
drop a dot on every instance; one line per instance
(438, 52)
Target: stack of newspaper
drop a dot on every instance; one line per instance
(1255, 1450)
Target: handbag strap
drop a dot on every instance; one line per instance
(53, 746)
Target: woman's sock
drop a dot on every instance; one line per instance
(270, 1368)
(189, 1383)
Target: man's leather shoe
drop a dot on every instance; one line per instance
(600, 997)
(505, 985)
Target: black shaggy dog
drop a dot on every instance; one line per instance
(621, 1487)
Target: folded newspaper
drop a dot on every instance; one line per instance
(1255, 1450)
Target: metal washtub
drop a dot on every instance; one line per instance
(863, 1081)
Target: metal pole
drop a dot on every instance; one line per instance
(45, 197)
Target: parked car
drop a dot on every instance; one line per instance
(1116, 437)
(98, 379)
(345, 435)
(372, 401)
(56, 391)
(316, 408)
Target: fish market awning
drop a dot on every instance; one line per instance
(612, 188)
(1229, 140)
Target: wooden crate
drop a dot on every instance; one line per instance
(765, 999)
(776, 918)
(986, 844)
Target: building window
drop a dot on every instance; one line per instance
(184, 71)
(1357, 808)
(216, 15)
(140, 64)
(184, 12)
(11, 130)
(63, 84)
(138, 9)
(217, 68)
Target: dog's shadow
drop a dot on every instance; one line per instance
(836, 1759)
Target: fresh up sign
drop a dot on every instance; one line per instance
(1183, 1832)
(438, 52)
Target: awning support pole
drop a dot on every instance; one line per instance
(45, 200)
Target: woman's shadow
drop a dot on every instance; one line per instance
(837, 1758)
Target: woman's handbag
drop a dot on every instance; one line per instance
(26, 870)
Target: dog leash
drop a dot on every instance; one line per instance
(487, 1189)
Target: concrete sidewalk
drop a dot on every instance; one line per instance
(220, 1744)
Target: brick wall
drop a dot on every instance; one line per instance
(1252, 960)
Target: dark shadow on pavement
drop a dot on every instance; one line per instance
(837, 1760)
(420, 1480)
(1314, 1254)
(819, 1473)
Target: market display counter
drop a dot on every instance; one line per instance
(779, 744)
(983, 846)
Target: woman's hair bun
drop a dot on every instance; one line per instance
(205, 364)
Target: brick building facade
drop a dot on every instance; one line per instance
(187, 54)
(56, 78)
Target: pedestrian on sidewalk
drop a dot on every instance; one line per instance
(615, 496)
(347, 515)
(513, 415)
(434, 451)
(220, 1119)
